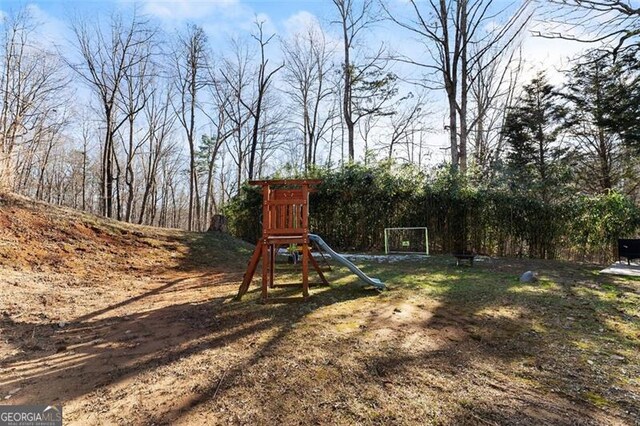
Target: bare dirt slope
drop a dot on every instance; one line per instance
(132, 325)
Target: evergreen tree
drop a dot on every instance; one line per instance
(536, 160)
(624, 117)
(599, 119)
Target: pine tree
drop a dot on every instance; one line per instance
(599, 119)
(624, 118)
(535, 159)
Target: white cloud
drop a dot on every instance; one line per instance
(221, 19)
(300, 22)
(50, 31)
(303, 22)
(188, 9)
(549, 55)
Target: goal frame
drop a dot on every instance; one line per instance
(386, 240)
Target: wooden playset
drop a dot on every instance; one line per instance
(285, 221)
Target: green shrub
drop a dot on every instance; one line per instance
(354, 205)
(598, 221)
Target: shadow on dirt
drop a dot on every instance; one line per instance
(482, 329)
(565, 334)
(153, 329)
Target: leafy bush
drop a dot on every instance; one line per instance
(245, 214)
(354, 205)
(598, 221)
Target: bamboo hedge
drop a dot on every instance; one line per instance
(354, 205)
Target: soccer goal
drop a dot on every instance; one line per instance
(406, 240)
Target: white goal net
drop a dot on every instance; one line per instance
(406, 240)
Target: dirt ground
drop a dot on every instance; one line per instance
(131, 325)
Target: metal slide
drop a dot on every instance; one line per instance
(345, 262)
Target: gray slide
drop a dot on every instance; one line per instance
(345, 262)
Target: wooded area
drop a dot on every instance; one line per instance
(155, 127)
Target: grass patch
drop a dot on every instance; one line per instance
(583, 329)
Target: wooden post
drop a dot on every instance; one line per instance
(318, 270)
(305, 270)
(305, 237)
(272, 263)
(265, 271)
(251, 270)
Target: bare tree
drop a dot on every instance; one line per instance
(135, 92)
(170, 197)
(50, 135)
(415, 145)
(31, 89)
(366, 127)
(211, 146)
(461, 44)
(405, 123)
(352, 22)
(86, 137)
(237, 77)
(264, 80)
(614, 23)
(106, 56)
(191, 61)
(367, 86)
(35, 148)
(308, 65)
(492, 93)
(160, 122)
(273, 134)
(335, 133)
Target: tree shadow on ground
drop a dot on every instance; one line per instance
(558, 341)
(475, 346)
(498, 352)
(153, 329)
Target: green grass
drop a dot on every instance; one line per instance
(572, 332)
(571, 318)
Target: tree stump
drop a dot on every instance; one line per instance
(218, 224)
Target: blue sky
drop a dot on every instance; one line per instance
(223, 19)
(217, 15)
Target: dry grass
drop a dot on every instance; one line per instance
(138, 327)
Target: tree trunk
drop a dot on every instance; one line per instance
(84, 176)
(5, 172)
(453, 129)
(347, 107)
(129, 175)
(107, 175)
(218, 224)
(256, 125)
(464, 87)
